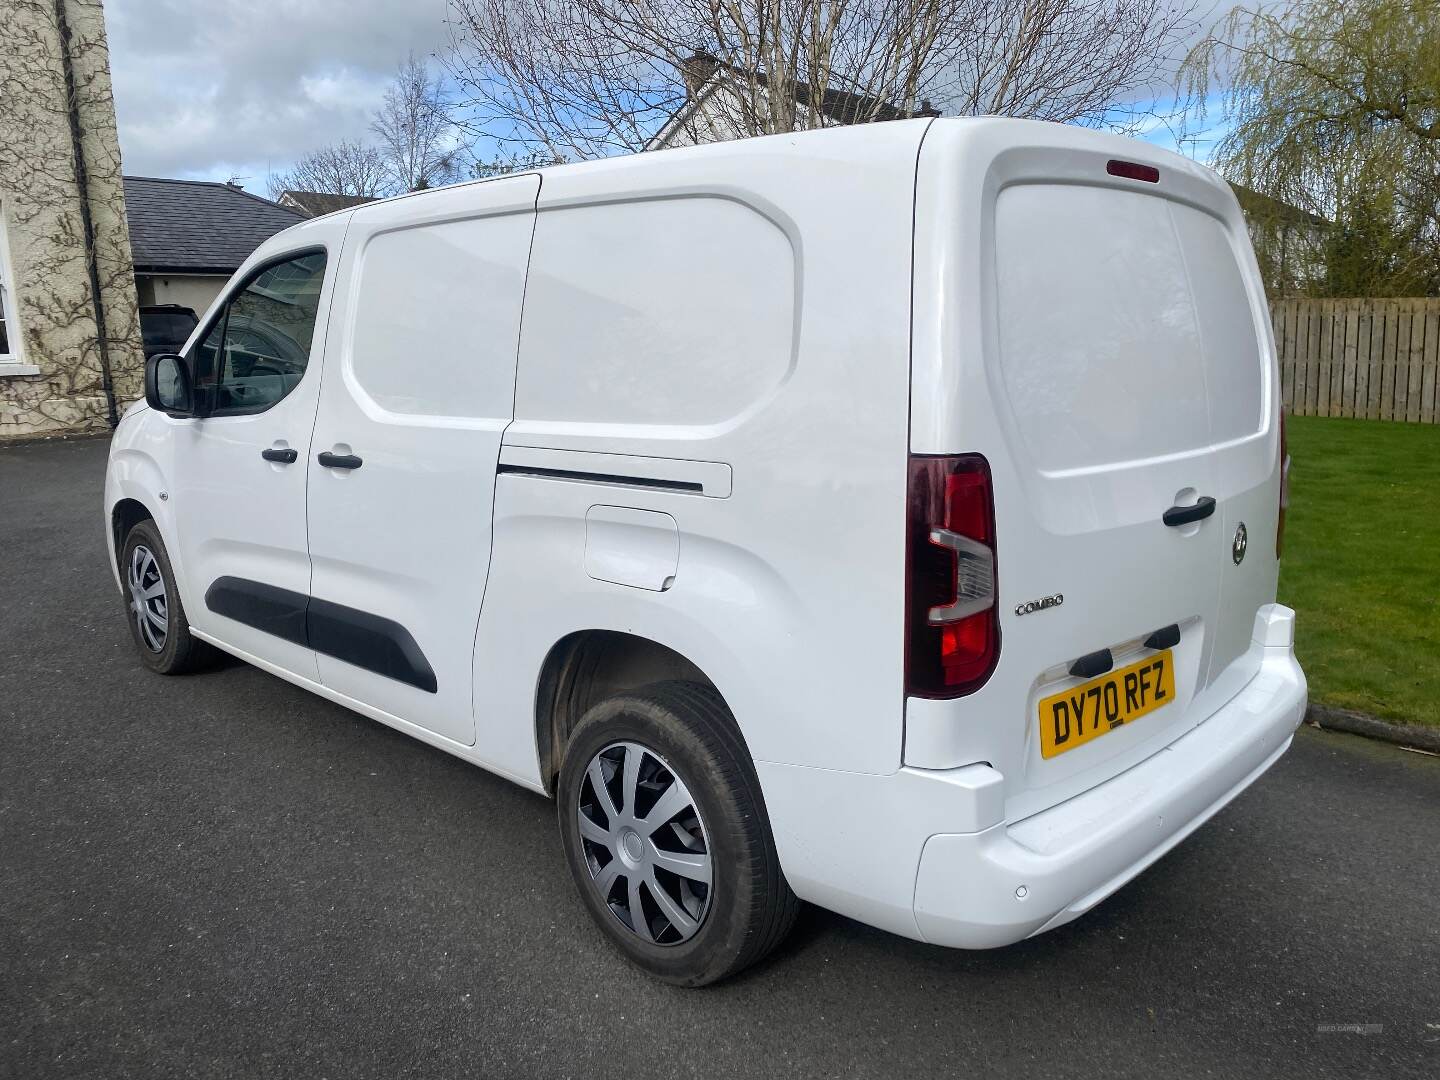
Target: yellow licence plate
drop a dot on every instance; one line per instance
(1083, 713)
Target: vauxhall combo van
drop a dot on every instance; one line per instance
(886, 517)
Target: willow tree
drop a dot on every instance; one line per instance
(587, 78)
(1333, 106)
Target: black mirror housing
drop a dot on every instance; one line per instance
(167, 385)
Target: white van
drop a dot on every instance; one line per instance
(886, 517)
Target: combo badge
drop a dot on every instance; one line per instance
(1040, 605)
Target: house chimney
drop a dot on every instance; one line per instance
(696, 70)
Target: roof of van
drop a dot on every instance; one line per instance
(886, 137)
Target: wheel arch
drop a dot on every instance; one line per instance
(124, 516)
(134, 486)
(585, 667)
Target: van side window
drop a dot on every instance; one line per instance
(658, 311)
(437, 317)
(259, 348)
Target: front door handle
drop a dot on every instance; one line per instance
(338, 461)
(283, 457)
(1184, 515)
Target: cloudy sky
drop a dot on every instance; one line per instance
(207, 90)
(214, 89)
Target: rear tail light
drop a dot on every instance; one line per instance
(952, 619)
(1284, 486)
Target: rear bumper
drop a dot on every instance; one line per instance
(927, 853)
(1012, 881)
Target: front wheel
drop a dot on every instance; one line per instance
(666, 835)
(156, 615)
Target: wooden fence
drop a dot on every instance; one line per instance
(1371, 359)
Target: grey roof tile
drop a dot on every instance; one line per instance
(197, 225)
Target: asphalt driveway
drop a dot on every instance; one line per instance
(222, 875)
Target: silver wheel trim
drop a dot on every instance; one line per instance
(148, 606)
(645, 844)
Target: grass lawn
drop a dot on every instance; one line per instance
(1361, 564)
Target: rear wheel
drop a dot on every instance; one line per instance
(666, 835)
(156, 615)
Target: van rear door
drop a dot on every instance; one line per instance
(1112, 371)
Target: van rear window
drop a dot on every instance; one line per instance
(1124, 326)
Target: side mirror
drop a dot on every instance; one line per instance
(167, 385)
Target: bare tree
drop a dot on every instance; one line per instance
(587, 78)
(504, 165)
(413, 125)
(343, 168)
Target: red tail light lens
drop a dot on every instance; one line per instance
(1284, 486)
(951, 615)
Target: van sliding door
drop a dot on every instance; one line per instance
(420, 386)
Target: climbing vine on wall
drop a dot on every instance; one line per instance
(40, 199)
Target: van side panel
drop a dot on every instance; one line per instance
(737, 312)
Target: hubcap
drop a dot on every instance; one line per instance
(147, 598)
(644, 843)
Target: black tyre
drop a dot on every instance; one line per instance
(666, 835)
(152, 600)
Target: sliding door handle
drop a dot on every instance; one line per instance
(338, 461)
(283, 457)
(1184, 515)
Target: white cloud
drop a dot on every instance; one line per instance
(206, 89)
(341, 90)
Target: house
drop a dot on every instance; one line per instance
(319, 203)
(70, 353)
(1288, 241)
(189, 236)
(722, 100)
(1267, 210)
